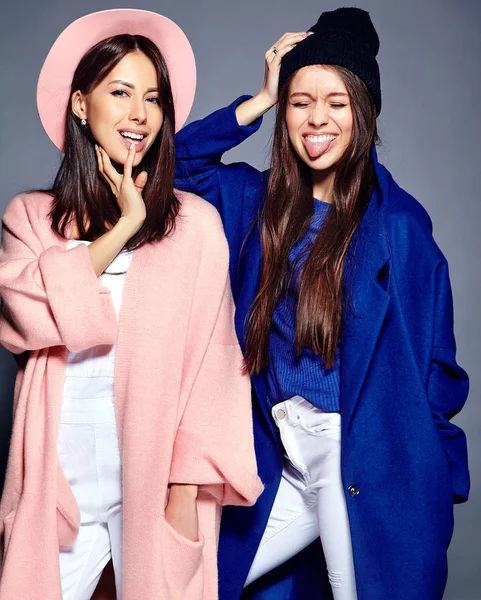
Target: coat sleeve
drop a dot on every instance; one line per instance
(199, 148)
(214, 444)
(236, 190)
(448, 385)
(50, 295)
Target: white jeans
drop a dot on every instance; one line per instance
(89, 454)
(310, 502)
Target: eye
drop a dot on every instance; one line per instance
(300, 104)
(154, 100)
(338, 105)
(119, 93)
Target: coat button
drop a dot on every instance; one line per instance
(281, 414)
(353, 490)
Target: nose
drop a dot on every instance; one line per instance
(137, 110)
(318, 114)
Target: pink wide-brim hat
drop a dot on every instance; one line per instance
(55, 79)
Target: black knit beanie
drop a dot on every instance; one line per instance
(345, 37)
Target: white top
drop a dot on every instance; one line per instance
(90, 372)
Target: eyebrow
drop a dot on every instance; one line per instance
(328, 95)
(131, 86)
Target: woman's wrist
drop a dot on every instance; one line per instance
(250, 110)
(179, 490)
(181, 510)
(128, 226)
(264, 100)
(104, 249)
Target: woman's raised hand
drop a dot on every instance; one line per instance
(127, 192)
(273, 59)
(252, 109)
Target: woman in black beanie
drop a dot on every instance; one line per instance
(354, 371)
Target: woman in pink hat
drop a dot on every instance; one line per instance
(132, 418)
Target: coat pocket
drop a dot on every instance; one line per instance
(183, 564)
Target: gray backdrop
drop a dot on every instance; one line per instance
(430, 127)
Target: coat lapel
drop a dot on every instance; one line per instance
(149, 267)
(367, 285)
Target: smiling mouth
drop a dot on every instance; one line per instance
(133, 137)
(319, 139)
(138, 139)
(317, 145)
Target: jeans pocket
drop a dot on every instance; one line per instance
(321, 424)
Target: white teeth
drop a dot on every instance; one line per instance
(319, 139)
(132, 136)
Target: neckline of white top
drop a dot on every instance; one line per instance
(120, 264)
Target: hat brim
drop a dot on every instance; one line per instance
(55, 79)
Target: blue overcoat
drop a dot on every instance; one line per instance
(403, 462)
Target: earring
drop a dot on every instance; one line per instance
(83, 121)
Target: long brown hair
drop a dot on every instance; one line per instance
(79, 191)
(285, 218)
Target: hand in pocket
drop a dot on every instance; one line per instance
(181, 511)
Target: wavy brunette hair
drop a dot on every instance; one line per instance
(79, 191)
(284, 219)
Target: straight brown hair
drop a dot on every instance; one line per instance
(79, 192)
(284, 219)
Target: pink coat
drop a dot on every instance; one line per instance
(183, 406)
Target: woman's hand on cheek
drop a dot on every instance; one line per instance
(181, 511)
(127, 192)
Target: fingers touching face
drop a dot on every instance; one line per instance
(124, 109)
(319, 116)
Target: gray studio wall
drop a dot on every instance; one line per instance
(430, 126)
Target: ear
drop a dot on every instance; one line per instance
(79, 105)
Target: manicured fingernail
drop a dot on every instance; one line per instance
(96, 147)
(132, 146)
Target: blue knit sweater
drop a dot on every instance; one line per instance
(288, 374)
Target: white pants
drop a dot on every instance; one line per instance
(89, 454)
(310, 502)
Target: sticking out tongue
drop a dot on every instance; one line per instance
(317, 149)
